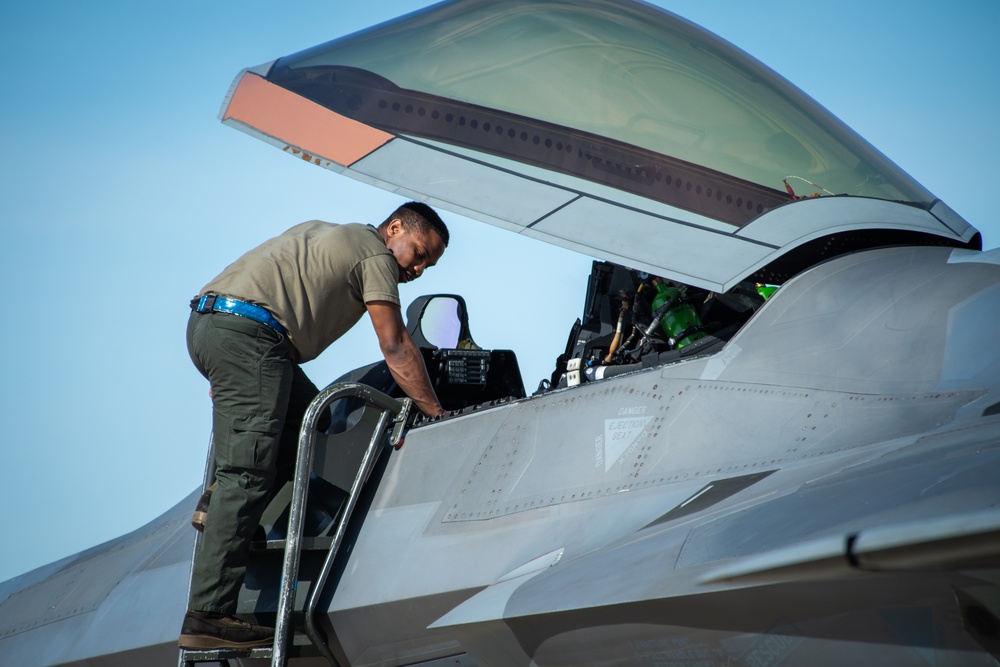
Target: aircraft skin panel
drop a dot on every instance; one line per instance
(604, 229)
(584, 188)
(561, 216)
(136, 584)
(446, 177)
(795, 223)
(904, 298)
(556, 214)
(959, 256)
(576, 598)
(446, 563)
(953, 542)
(734, 632)
(972, 327)
(602, 580)
(867, 498)
(601, 469)
(321, 134)
(953, 220)
(961, 541)
(813, 529)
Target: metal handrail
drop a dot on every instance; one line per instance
(390, 407)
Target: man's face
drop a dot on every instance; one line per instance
(415, 250)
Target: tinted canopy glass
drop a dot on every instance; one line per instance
(619, 92)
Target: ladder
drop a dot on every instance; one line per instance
(381, 412)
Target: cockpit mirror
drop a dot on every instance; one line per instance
(439, 321)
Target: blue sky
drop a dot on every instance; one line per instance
(122, 195)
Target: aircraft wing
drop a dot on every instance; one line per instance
(122, 598)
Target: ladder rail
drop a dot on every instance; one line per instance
(390, 408)
(311, 626)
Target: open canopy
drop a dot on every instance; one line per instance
(606, 126)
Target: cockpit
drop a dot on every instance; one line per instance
(631, 321)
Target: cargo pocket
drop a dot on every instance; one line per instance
(249, 443)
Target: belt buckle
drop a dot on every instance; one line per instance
(207, 303)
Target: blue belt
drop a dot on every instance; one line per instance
(211, 303)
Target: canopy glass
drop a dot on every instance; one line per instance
(621, 93)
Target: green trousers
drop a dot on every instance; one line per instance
(259, 396)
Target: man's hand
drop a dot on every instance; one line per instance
(402, 356)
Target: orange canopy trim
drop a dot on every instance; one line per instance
(318, 132)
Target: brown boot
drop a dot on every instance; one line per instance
(207, 631)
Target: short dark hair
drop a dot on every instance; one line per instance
(421, 216)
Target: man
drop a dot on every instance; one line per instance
(277, 306)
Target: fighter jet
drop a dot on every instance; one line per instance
(773, 436)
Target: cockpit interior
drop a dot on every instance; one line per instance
(631, 321)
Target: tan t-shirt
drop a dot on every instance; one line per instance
(315, 279)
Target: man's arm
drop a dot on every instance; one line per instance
(402, 356)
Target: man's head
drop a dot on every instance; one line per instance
(416, 236)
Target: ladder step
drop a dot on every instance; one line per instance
(307, 544)
(301, 648)
(192, 656)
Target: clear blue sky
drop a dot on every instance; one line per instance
(122, 195)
